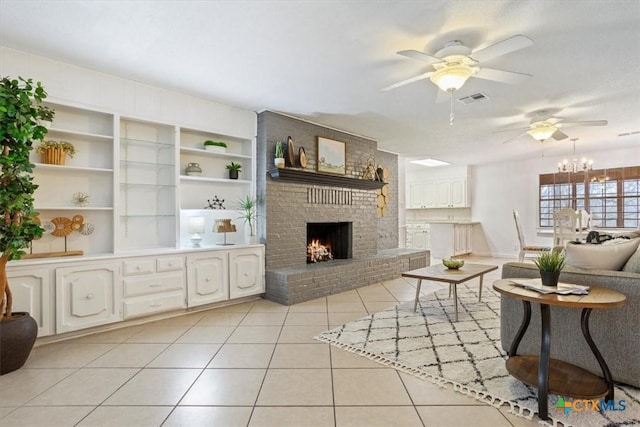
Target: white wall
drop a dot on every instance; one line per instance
(498, 188)
(73, 85)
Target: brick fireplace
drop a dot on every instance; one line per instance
(290, 206)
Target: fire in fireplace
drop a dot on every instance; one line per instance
(328, 240)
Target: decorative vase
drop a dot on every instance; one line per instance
(279, 162)
(233, 174)
(193, 169)
(550, 278)
(54, 156)
(254, 240)
(17, 336)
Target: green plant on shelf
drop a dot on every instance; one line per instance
(65, 146)
(215, 143)
(234, 166)
(279, 150)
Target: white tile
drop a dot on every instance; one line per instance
(341, 358)
(183, 320)
(369, 387)
(18, 387)
(307, 319)
(267, 306)
(424, 392)
(379, 416)
(345, 306)
(206, 334)
(339, 319)
(228, 387)
(294, 356)
(154, 387)
(115, 336)
(314, 306)
(263, 319)
(296, 387)
(108, 416)
(70, 356)
(221, 319)
(158, 334)
(243, 356)
(300, 334)
(185, 356)
(58, 416)
(255, 334)
(129, 356)
(192, 416)
(375, 307)
(87, 386)
(477, 416)
(4, 411)
(292, 416)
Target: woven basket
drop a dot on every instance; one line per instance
(54, 156)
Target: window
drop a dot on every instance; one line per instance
(611, 196)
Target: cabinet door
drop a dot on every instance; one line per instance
(458, 193)
(31, 293)
(443, 194)
(246, 272)
(207, 278)
(423, 195)
(87, 296)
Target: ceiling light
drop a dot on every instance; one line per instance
(542, 133)
(430, 162)
(575, 165)
(453, 77)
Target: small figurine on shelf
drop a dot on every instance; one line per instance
(81, 199)
(215, 203)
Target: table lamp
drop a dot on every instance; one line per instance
(196, 229)
(224, 226)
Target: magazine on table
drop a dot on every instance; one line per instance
(562, 288)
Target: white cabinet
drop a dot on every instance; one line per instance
(246, 272)
(450, 239)
(418, 236)
(87, 296)
(153, 285)
(32, 293)
(207, 278)
(447, 193)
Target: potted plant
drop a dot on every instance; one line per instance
(279, 154)
(234, 170)
(55, 152)
(248, 207)
(550, 264)
(19, 126)
(218, 146)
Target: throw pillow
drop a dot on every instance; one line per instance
(633, 263)
(611, 256)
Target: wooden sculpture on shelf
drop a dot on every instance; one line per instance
(62, 227)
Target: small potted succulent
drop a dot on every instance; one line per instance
(234, 170)
(217, 146)
(55, 152)
(279, 154)
(550, 264)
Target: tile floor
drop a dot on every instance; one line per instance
(252, 364)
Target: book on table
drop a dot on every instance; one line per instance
(562, 288)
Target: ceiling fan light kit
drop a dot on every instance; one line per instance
(452, 77)
(542, 133)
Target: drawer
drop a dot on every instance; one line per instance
(138, 266)
(169, 264)
(153, 304)
(153, 284)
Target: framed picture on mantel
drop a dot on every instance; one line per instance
(331, 156)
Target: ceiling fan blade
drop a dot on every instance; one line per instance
(523, 128)
(406, 82)
(558, 135)
(513, 138)
(420, 56)
(501, 76)
(502, 48)
(583, 123)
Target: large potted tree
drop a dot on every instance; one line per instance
(22, 120)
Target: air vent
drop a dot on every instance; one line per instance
(629, 133)
(476, 97)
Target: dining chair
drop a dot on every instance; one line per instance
(567, 226)
(526, 250)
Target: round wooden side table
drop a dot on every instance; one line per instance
(552, 375)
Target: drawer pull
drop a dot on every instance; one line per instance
(138, 267)
(207, 280)
(89, 296)
(246, 274)
(155, 285)
(157, 304)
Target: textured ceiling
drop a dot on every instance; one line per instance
(326, 61)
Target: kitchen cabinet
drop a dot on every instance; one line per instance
(246, 272)
(422, 195)
(207, 278)
(31, 289)
(87, 296)
(444, 193)
(450, 239)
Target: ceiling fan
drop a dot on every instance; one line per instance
(542, 128)
(455, 63)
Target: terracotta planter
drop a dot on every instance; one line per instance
(17, 337)
(54, 156)
(550, 278)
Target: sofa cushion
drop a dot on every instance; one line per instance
(633, 263)
(609, 256)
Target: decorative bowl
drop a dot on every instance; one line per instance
(453, 264)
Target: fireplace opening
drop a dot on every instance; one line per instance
(328, 240)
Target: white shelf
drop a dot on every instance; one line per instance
(199, 152)
(45, 166)
(94, 136)
(219, 180)
(73, 208)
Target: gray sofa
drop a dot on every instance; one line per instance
(616, 331)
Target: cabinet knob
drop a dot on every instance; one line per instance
(89, 296)
(138, 267)
(207, 280)
(155, 285)
(246, 274)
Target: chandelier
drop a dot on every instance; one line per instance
(574, 165)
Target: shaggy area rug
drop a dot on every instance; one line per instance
(465, 355)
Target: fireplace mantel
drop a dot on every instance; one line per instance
(318, 178)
